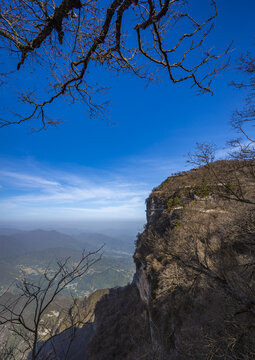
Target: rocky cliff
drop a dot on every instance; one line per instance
(193, 294)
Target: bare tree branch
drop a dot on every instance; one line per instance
(38, 297)
(65, 44)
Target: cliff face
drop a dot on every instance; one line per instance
(193, 294)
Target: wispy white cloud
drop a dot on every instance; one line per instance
(27, 180)
(32, 194)
(36, 191)
(71, 194)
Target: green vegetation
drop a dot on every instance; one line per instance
(230, 188)
(203, 190)
(173, 202)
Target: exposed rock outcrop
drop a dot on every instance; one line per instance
(122, 328)
(195, 275)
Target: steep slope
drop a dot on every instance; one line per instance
(122, 330)
(195, 265)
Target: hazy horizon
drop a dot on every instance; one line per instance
(110, 228)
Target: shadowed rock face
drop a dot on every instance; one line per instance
(122, 327)
(142, 283)
(195, 275)
(71, 344)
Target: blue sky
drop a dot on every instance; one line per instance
(90, 169)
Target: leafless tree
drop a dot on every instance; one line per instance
(238, 181)
(66, 39)
(243, 122)
(234, 180)
(35, 298)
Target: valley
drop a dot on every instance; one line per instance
(31, 253)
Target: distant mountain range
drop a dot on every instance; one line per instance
(34, 251)
(37, 240)
(111, 244)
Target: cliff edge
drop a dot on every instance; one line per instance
(193, 294)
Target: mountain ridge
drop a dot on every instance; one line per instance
(193, 260)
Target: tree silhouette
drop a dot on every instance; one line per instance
(69, 38)
(35, 298)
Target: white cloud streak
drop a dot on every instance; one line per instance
(26, 180)
(33, 191)
(68, 195)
